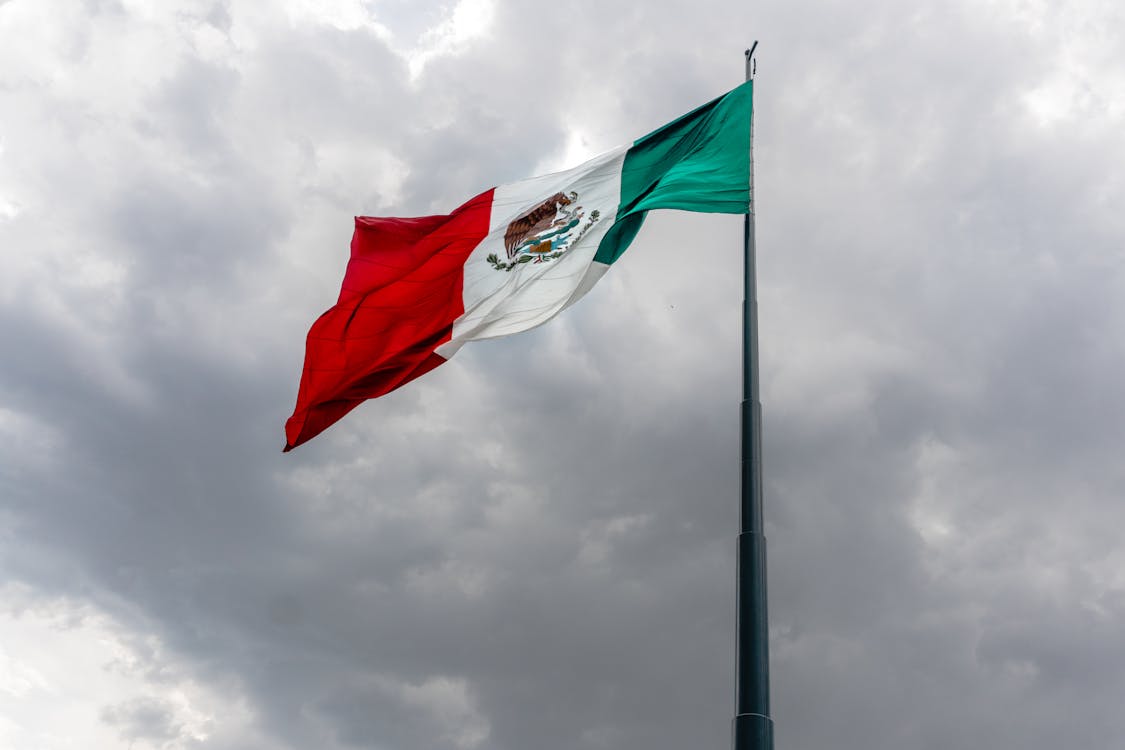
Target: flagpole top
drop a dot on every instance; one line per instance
(751, 61)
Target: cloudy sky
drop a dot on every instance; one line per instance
(533, 546)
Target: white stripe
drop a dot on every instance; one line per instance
(503, 302)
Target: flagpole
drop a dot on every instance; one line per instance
(753, 727)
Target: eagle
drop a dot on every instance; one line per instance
(535, 220)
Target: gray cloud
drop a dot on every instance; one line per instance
(533, 545)
(148, 720)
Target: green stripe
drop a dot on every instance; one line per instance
(700, 162)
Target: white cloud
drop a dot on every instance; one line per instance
(74, 678)
(346, 15)
(469, 21)
(457, 27)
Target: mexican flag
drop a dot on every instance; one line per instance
(417, 289)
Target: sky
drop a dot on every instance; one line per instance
(534, 545)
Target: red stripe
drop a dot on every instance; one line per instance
(400, 295)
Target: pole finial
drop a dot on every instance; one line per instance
(751, 61)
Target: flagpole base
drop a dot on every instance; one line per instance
(753, 732)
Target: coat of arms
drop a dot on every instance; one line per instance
(544, 232)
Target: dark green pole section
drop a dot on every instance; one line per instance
(753, 727)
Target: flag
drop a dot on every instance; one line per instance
(417, 289)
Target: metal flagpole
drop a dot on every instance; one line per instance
(753, 727)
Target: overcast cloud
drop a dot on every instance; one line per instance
(533, 546)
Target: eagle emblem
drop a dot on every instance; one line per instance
(544, 231)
